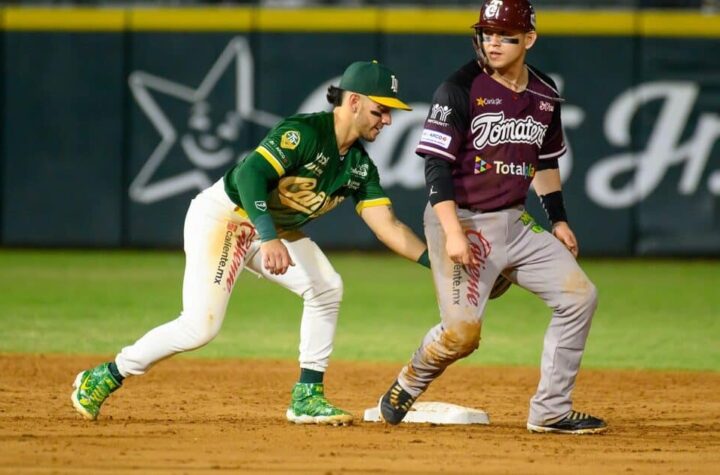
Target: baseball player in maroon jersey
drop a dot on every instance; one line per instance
(493, 129)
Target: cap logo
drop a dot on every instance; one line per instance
(493, 9)
(393, 83)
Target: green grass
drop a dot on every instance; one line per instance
(654, 314)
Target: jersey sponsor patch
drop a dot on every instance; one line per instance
(272, 152)
(352, 185)
(280, 153)
(290, 139)
(440, 113)
(317, 166)
(436, 138)
(481, 166)
(546, 106)
(517, 169)
(488, 101)
(361, 170)
(528, 220)
(501, 168)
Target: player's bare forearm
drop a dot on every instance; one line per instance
(457, 246)
(547, 181)
(447, 215)
(403, 241)
(392, 232)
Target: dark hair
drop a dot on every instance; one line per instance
(334, 96)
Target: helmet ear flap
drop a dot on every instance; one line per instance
(480, 52)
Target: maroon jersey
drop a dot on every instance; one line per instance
(494, 137)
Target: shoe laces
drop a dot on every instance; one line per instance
(577, 416)
(400, 399)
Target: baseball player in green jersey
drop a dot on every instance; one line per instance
(251, 218)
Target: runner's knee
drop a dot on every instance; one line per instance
(580, 298)
(461, 339)
(587, 296)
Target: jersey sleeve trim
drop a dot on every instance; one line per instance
(433, 151)
(557, 154)
(271, 160)
(372, 203)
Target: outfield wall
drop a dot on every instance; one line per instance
(112, 119)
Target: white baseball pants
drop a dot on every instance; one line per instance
(219, 244)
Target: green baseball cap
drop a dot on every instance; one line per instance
(374, 80)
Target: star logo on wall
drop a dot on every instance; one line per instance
(204, 143)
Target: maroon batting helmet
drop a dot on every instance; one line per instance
(513, 15)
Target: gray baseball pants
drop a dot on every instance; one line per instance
(511, 243)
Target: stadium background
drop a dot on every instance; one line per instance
(114, 114)
(114, 117)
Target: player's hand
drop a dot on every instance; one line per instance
(564, 234)
(458, 249)
(275, 256)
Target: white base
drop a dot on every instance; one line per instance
(436, 413)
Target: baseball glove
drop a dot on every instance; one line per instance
(500, 286)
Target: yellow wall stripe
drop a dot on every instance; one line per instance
(584, 23)
(318, 19)
(689, 24)
(657, 23)
(191, 19)
(64, 19)
(425, 20)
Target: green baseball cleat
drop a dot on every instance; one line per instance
(309, 406)
(92, 387)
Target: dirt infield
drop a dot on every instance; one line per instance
(197, 416)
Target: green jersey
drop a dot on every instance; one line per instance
(312, 177)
